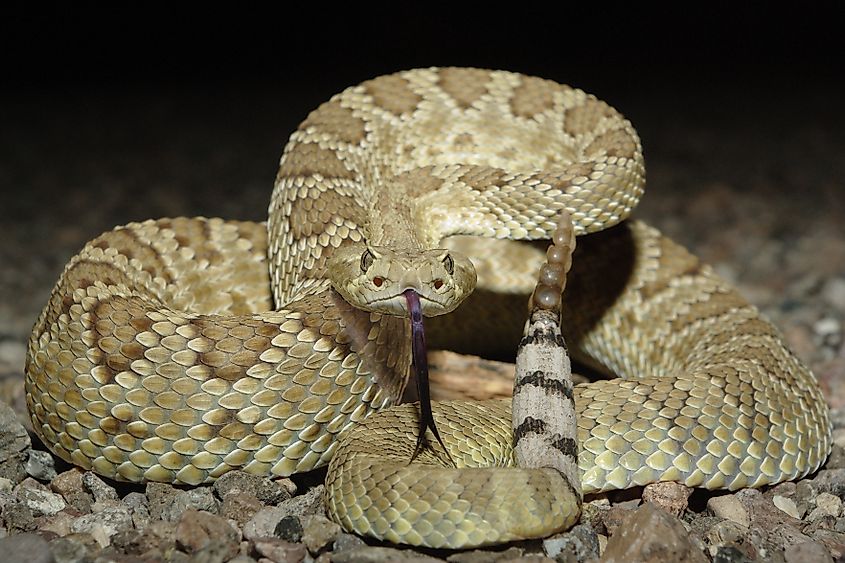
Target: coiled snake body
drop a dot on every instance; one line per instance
(165, 355)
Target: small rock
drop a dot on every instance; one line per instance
(487, 556)
(280, 551)
(41, 465)
(651, 534)
(17, 515)
(787, 505)
(262, 488)
(25, 548)
(613, 518)
(319, 533)
(807, 551)
(833, 540)
(670, 496)
(137, 504)
(104, 524)
(240, 507)
(578, 544)
(59, 523)
(729, 507)
(263, 523)
(68, 550)
(13, 436)
(381, 555)
(829, 504)
(168, 503)
(40, 500)
(14, 440)
(201, 532)
(289, 529)
(98, 488)
(69, 485)
(345, 542)
(6, 484)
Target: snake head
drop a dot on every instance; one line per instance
(375, 278)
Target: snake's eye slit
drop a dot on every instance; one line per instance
(367, 259)
(378, 281)
(449, 264)
(438, 284)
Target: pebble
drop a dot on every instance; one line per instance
(68, 550)
(41, 465)
(264, 489)
(651, 534)
(578, 544)
(39, 500)
(787, 505)
(829, 504)
(670, 496)
(104, 524)
(69, 485)
(319, 533)
(97, 487)
(370, 554)
(280, 551)
(25, 548)
(486, 555)
(806, 552)
(730, 508)
(202, 532)
(14, 440)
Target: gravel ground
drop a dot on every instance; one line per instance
(750, 180)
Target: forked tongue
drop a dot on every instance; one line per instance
(420, 360)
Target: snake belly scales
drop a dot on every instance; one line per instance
(175, 350)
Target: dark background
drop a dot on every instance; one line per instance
(108, 116)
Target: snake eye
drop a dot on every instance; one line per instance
(367, 259)
(449, 264)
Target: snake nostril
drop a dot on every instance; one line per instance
(438, 284)
(378, 281)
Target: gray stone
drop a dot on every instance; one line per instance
(59, 523)
(240, 507)
(730, 508)
(208, 536)
(578, 544)
(15, 514)
(98, 488)
(381, 555)
(265, 490)
(345, 542)
(13, 436)
(289, 529)
(168, 503)
(319, 533)
(280, 551)
(69, 485)
(40, 465)
(40, 500)
(263, 523)
(137, 504)
(668, 495)
(833, 540)
(25, 548)
(487, 556)
(787, 505)
(651, 534)
(104, 524)
(805, 552)
(68, 550)
(14, 441)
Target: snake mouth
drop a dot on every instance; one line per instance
(399, 304)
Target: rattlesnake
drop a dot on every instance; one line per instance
(161, 356)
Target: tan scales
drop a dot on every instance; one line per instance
(178, 349)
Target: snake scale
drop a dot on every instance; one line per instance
(176, 350)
